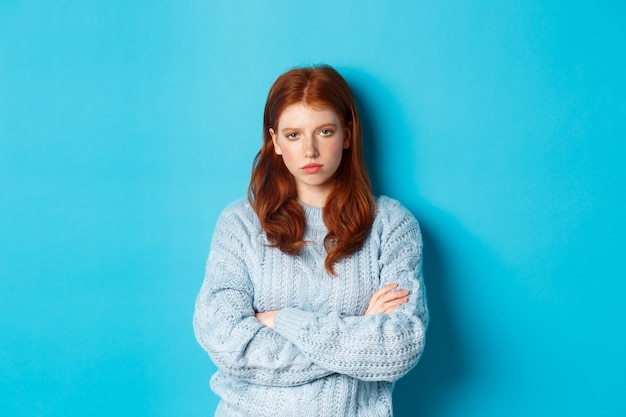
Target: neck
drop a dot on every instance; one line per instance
(313, 199)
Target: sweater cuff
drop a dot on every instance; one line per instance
(289, 321)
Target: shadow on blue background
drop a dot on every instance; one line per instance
(443, 364)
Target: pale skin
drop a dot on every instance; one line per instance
(311, 142)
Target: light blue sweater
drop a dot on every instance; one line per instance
(323, 358)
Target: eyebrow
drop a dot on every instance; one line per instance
(331, 124)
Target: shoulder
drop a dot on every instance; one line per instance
(240, 207)
(392, 210)
(387, 203)
(238, 216)
(392, 218)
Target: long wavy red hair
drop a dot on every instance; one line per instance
(348, 212)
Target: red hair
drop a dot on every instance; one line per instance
(348, 212)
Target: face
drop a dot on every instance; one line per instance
(311, 143)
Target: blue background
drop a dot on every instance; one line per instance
(126, 127)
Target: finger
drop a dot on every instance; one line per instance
(379, 304)
(394, 295)
(384, 290)
(392, 306)
(382, 296)
(397, 302)
(386, 307)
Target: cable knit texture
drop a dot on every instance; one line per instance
(323, 357)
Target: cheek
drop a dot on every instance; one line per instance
(336, 150)
(287, 155)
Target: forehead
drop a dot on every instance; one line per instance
(300, 114)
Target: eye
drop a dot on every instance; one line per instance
(292, 135)
(326, 132)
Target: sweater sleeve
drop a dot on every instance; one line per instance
(371, 348)
(226, 327)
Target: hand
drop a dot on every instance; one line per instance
(267, 318)
(386, 300)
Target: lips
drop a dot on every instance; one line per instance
(312, 168)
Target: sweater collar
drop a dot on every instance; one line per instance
(313, 215)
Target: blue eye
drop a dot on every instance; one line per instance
(327, 132)
(293, 135)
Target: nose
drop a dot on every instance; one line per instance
(310, 147)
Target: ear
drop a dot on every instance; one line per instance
(347, 136)
(275, 142)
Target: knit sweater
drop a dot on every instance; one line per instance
(323, 357)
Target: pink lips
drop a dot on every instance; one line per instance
(312, 168)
